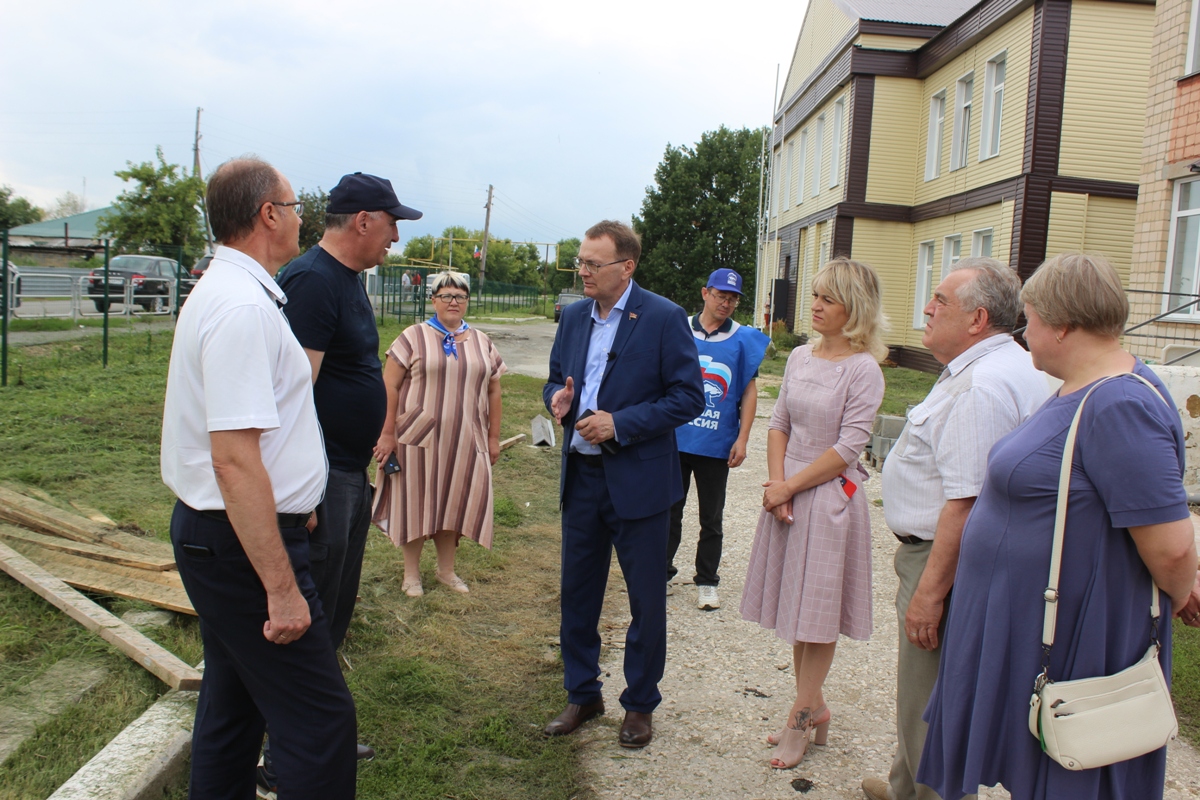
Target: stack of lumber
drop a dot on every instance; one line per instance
(91, 555)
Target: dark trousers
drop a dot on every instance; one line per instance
(336, 546)
(249, 682)
(591, 529)
(712, 474)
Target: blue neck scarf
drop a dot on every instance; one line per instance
(448, 343)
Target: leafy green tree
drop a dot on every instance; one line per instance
(161, 208)
(16, 211)
(556, 279)
(701, 215)
(312, 224)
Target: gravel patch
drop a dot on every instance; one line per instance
(729, 683)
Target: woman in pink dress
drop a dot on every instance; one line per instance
(809, 576)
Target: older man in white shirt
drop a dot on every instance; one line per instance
(935, 471)
(242, 450)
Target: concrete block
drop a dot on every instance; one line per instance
(147, 756)
(1184, 385)
(148, 619)
(543, 432)
(43, 699)
(888, 426)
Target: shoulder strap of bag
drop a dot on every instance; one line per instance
(1060, 524)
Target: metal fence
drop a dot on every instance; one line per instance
(407, 301)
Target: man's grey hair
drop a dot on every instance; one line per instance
(339, 222)
(235, 193)
(995, 288)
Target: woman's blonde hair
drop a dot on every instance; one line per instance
(454, 279)
(856, 286)
(1078, 291)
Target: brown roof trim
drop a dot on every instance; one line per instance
(836, 53)
(888, 28)
(1093, 186)
(965, 31)
(858, 154)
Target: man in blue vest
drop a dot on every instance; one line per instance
(715, 441)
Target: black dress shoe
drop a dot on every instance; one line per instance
(636, 730)
(572, 717)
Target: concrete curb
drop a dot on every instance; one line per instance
(143, 759)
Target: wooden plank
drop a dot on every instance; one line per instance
(163, 589)
(163, 664)
(507, 443)
(94, 551)
(93, 514)
(43, 517)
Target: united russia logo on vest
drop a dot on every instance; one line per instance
(716, 377)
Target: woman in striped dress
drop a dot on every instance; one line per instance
(443, 424)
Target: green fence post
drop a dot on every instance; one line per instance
(4, 312)
(107, 305)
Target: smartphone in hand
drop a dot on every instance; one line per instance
(392, 465)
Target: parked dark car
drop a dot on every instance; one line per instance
(153, 281)
(565, 299)
(202, 265)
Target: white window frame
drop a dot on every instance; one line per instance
(961, 144)
(977, 238)
(824, 254)
(925, 256)
(835, 145)
(803, 165)
(818, 146)
(787, 194)
(937, 133)
(951, 254)
(1193, 43)
(1193, 313)
(993, 106)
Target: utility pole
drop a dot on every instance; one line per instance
(487, 221)
(196, 174)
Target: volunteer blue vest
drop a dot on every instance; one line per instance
(726, 368)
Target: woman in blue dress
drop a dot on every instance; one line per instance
(1127, 520)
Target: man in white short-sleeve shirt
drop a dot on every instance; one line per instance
(934, 473)
(242, 451)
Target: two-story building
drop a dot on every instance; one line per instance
(912, 135)
(1165, 274)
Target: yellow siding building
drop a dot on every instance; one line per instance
(912, 137)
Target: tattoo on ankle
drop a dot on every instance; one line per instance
(801, 718)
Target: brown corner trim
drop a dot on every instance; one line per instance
(917, 358)
(858, 156)
(842, 241)
(1047, 79)
(1099, 188)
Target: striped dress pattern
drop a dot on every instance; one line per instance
(445, 477)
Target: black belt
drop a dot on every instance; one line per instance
(591, 459)
(910, 539)
(285, 520)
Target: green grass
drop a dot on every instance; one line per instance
(1185, 687)
(902, 387)
(53, 324)
(452, 690)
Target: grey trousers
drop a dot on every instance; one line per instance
(916, 672)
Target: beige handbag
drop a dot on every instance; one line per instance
(1095, 722)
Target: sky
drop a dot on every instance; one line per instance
(565, 108)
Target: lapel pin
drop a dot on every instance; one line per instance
(632, 315)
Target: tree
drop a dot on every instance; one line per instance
(68, 204)
(160, 209)
(312, 223)
(16, 211)
(701, 215)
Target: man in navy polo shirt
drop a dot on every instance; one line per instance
(331, 315)
(716, 440)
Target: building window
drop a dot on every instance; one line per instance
(924, 282)
(803, 165)
(993, 103)
(951, 253)
(787, 176)
(981, 243)
(835, 146)
(937, 126)
(1183, 250)
(824, 253)
(818, 145)
(1193, 45)
(962, 121)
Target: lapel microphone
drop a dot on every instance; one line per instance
(612, 356)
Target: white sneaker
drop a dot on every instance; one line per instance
(707, 599)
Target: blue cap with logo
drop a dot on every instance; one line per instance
(726, 280)
(361, 192)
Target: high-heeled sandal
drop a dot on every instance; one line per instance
(821, 734)
(413, 588)
(793, 744)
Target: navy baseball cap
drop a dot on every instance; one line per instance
(726, 280)
(361, 192)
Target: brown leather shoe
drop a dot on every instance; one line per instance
(636, 730)
(572, 717)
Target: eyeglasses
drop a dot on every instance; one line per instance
(452, 298)
(592, 266)
(298, 206)
(725, 298)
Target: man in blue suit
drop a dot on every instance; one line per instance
(623, 375)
